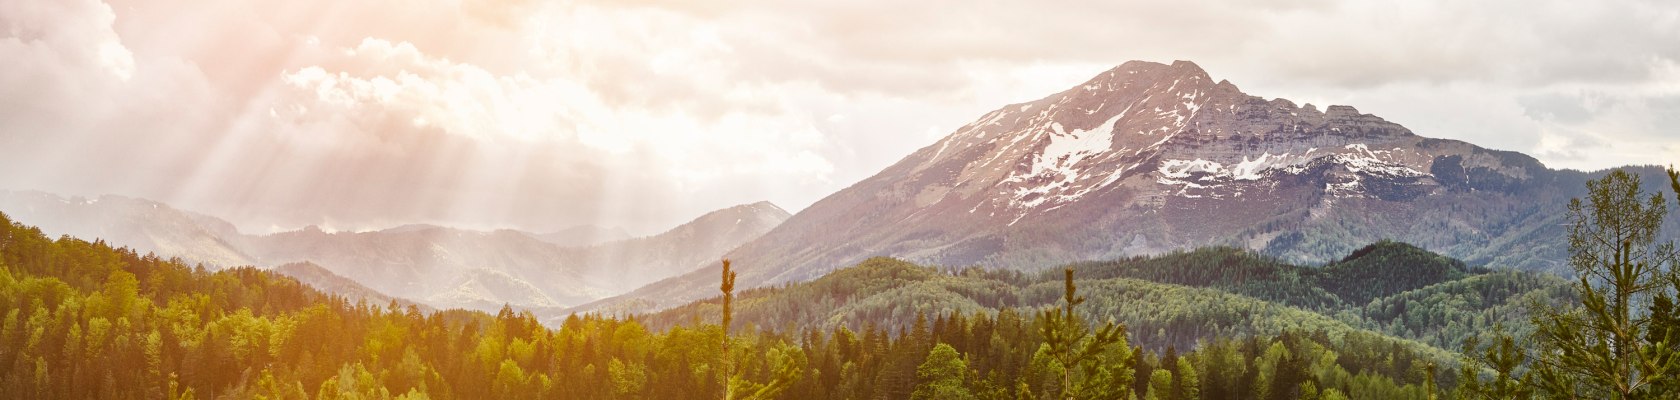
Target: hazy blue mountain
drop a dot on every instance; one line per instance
(437, 266)
(584, 235)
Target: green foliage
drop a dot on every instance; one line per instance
(1171, 300)
(786, 366)
(1600, 348)
(1160, 386)
(1504, 358)
(944, 376)
(84, 320)
(1387, 268)
(1664, 331)
(1072, 343)
(1445, 314)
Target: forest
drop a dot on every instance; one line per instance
(1389, 321)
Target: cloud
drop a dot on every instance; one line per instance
(1614, 128)
(465, 140)
(75, 101)
(59, 52)
(642, 114)
(460, 99)
(1359, 44)
(1523, 43)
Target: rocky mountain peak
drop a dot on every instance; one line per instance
(1155, 131)
(762, 212)
(1146, 158)
(1151, 72)
(1153, 122)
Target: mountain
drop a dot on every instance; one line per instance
(1176, 299)
(692, 245)
(327, 282)
(441, 266)
(143, 225)
(584, 235)
(438, 266)
(448, 267)
(243, 332)
(1148, 158)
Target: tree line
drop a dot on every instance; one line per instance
(89, 320)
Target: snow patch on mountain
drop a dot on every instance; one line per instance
(1363, 159)
(1348, 188)
(1358, 159)
(1185, 168)
(1057, 168)
(1249, 170)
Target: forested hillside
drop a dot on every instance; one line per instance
(85, 320)
(1176, 299)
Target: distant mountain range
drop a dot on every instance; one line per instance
(1148, 158)
(1143, 159)
(437, 266)
(585, 235)
(328, 282)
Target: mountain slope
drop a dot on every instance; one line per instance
(143, 225)
(689, 246)
(248, 333)
(584, 235)
(327, 282)
(440, 266)
(449, 267)
(1170, 300)
(1148, 158)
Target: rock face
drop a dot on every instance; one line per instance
(1148, 158)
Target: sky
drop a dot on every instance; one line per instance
(642, 114)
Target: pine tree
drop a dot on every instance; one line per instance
(1431, 391)
(1597, 350)
(1160, 385)
(787, 365)
(1504, 358)
(1071, 343)
(1186, 383)
(1665, 328)
(728, 289)
(942, 376)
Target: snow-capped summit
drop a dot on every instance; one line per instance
(1169, 129)
(1147, 158)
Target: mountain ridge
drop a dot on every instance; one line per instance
(1147, 158)
(893, 293)
(439, 266)
(584, 235)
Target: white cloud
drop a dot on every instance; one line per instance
(461, 99)
(645, 113)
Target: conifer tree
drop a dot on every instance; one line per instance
(728, 289)
(1430, 390)
(1072, 344)
(942, 376)
(1504, 357)
(1598, 350)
